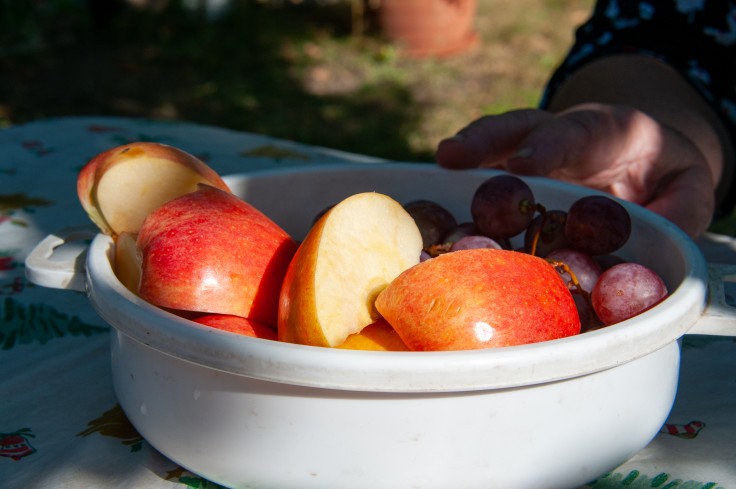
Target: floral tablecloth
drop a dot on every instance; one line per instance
(60, 424)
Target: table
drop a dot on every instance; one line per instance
(60, 424)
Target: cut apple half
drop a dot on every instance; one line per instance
(128, 262)
(120, 187)
(348, 257)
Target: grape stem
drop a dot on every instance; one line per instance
(543, 211)
(573, 282)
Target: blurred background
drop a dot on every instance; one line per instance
(323, 72)
(377, 77)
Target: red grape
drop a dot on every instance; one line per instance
(597, 225)
(625, 290)
(460, 231)
(503, 206)
(583, 266)
(471, 242)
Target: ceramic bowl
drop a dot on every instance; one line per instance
(246, 413)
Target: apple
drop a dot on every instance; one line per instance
(237, 324)
(209, 251)
(377, 336)
(348, 256)
(119, 187)
(479, 298)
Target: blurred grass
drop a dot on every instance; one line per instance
(290, 70)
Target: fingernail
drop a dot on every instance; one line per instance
(524, 152)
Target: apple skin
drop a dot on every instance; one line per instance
(377, 336)
(481, 298)
(238, 325)
(209, 251)
(144, 176)
(348, 256)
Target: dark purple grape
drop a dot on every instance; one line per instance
(588, 319)
(550, 227)
(583, 266)
(433, 220)
(597, 225)
(607, 261)
(473, 242)
(625, 290)
(503, 206)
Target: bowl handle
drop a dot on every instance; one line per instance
(719, 316)
(57, 261)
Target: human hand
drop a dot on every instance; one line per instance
(612, 148)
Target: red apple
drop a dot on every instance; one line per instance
(479, 298)
(209, 251)
(119, 187)
(237, 324)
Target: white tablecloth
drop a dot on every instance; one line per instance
(60, 424)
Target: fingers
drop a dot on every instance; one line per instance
(586, 145)
(683, 186)
(688, 201)
(490, 140)
(615, 149)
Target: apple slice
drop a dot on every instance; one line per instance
(357, 248)
(479, 298)
(128, 261)
(377, 336)
(118, 188)
(209, 251)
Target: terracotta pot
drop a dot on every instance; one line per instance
(429, 27)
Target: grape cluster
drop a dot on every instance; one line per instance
(579, 242)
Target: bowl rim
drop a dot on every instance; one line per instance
(409, 372)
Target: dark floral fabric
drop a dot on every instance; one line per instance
(696, 37)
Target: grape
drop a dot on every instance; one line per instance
(472, 242)
(607, 261)
(550, 226)
(588, 319)
(597, 225)
(433, 220)
(586, 269)
(625, 290)
(460, 231)
(503, 206)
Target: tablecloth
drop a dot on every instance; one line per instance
(60, 424)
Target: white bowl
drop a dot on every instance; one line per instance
(245, 412)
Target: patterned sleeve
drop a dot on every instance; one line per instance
(696, 37)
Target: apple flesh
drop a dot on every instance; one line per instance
(209, 251)
(480, 298)
(350, 254)
(377, 336)
(119, 187)
(128, 261)
(238, 325)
